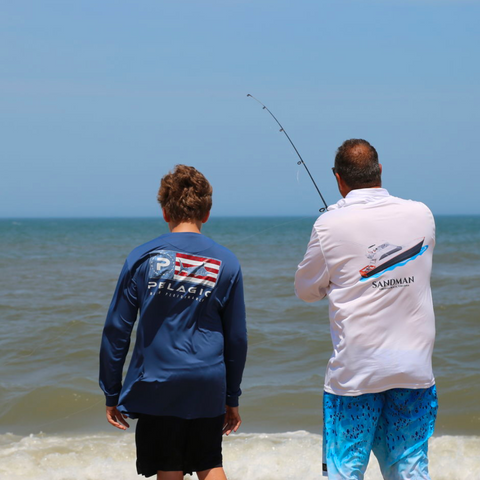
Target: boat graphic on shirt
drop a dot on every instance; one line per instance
(385, 255)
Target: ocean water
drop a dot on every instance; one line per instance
(57, 279)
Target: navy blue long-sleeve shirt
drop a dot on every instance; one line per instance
(191, 341)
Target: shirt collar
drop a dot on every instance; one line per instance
(360, 195)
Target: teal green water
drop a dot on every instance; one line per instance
(58, 277)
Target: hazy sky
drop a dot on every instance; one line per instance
(99, 99)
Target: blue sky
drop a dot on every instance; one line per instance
(98, 100)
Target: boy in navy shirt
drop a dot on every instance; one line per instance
(183, 381)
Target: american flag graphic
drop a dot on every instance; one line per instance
(198, 270)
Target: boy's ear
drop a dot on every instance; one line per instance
(166, 216)
(207, 216)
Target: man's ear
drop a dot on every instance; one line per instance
(343, 188)
(207, 216)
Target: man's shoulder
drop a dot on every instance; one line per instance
(344, 212)
(412, 204)
(348, 206)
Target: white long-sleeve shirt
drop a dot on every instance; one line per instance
(371, 254)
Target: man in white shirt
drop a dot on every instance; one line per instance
(371, 254)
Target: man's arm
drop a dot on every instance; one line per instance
(121, 317)
(312, 277)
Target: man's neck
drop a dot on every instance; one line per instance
(346, 190)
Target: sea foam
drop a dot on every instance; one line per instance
(286, 456)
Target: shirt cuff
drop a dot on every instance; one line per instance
(232, 399)
(112, 400)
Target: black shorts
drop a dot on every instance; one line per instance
(177, 444)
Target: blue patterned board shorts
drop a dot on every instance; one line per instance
(395, 424)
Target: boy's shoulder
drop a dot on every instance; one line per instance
(196, 245)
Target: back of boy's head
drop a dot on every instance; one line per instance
(185, 194)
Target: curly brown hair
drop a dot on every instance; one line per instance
(185, 194)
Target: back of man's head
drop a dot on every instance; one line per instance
(356, 162)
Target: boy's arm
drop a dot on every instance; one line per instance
(116, 335)
(117, 418)
(235, 339)
(232, 420)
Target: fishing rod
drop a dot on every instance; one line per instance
(300, 162)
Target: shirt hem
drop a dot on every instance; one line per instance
(383, 388)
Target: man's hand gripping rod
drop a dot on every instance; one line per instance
(300, 162)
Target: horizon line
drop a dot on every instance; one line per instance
(151, 217)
